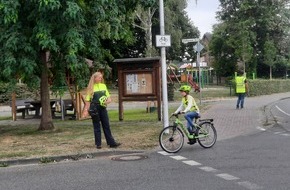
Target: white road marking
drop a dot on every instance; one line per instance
(285, 134)
(276, 133)
(178, 157)
(282, 111)
(250, 185)
(208, 169)
(227, 176)
(165, 153)
(261, 128)
(191, 163)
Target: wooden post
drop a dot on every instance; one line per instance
(13, 106)
(76, 105)
(81, 100)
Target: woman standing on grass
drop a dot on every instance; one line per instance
(97, 98)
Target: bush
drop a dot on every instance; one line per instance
(22, 92)
(259, 87)
(4, 95)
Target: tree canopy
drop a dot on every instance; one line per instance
(70, 30)
(246, 26)
(44, 39)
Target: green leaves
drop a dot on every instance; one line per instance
(49, 5)
(70, 30)
(8, 9)
(73, 11)
(74, 41)
(44, 37)
(248, 25)
(270, 52)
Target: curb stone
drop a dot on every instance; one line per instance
(62, 158)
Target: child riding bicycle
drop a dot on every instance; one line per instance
(189, 107)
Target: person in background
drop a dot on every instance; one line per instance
(96, 100)
(241, 88)
(189, 107)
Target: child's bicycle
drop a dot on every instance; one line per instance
(171, 138)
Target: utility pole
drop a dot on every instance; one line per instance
(163, 41)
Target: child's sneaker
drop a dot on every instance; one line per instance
(191, 141)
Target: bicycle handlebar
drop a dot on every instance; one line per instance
(179, 113)
(176, 114)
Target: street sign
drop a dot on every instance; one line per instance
(163, 41)
(185, 41)
(198, 47)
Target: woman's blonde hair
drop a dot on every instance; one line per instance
(90, 88)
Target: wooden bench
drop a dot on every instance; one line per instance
(22, 106)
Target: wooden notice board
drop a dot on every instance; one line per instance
(139, 80)
(138, 83)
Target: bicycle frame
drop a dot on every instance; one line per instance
(178, 123)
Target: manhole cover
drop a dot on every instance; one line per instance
(129, 158)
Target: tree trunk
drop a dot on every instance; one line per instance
(270, 72)
(46, 118)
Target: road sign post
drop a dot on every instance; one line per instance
(198, 47)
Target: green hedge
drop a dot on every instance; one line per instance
(259, 87)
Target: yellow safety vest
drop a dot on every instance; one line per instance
(100, 90)
(194, 107)
(240, 85)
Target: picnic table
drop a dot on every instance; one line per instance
(25, 105)
(21, 106)
(37, 106)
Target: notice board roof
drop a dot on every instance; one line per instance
(135, 60)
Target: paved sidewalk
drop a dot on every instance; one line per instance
(231, 122)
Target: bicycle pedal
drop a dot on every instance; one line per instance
(191, 142)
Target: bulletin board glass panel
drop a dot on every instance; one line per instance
(138, 83)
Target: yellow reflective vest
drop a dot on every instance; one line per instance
(188, 104)
(100, 90)
(240, 84)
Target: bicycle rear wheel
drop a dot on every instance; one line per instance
(171, 139)
(206, 135)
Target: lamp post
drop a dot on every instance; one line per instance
(163, 67)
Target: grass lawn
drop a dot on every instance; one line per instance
(138, 131)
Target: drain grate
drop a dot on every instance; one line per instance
(129, 158)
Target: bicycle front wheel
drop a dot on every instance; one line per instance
(206, 135)
(171, 139)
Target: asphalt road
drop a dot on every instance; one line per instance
(256, 161)
(281, 112)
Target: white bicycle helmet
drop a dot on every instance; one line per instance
(103, 100)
